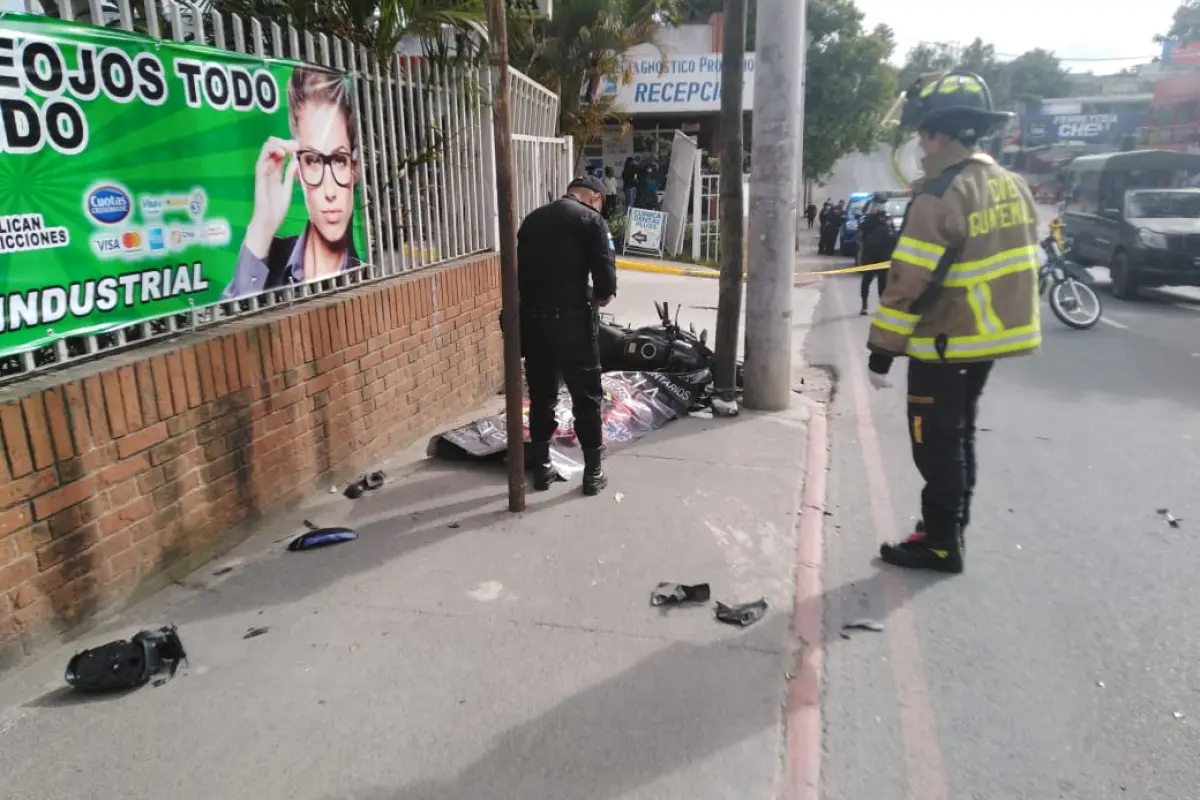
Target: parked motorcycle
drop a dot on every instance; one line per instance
(665, 347)
(1067, 285)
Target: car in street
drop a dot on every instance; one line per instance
(849, 231)
(1134, 213)
(896, 205)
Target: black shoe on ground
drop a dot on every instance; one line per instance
(862, 313)
(919, 552)
(544, 473)
(594, 479)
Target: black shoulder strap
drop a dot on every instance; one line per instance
(936, 186)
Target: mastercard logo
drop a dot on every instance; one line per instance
(131, 240)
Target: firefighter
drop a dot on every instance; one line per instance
(559, 246)
(878, 235)
(962, 293)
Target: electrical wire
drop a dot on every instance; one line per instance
(1089, 58)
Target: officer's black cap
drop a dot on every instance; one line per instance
(587, 182)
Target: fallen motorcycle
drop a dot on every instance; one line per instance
(665, 347)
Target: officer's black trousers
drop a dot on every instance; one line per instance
(867, 277)
(942, 403)
(828, 237)
(564, 343)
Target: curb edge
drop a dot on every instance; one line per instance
(802, 766)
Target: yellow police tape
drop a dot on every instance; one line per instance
(701, 272)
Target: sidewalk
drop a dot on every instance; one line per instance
(458, 652)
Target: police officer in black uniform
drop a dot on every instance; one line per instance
(878, 236)
(559, 246)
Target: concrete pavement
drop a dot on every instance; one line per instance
(1065, 662)
(457, 651)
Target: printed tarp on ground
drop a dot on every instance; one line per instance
(635, 403)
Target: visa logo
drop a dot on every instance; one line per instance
(107, 244)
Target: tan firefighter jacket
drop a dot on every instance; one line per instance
(985, 225)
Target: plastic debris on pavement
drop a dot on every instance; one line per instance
(743, 614)
(674, 594)
(864, 625)
(320, 537)
(367, 483)
(252, 633)
(127, 663)
(1169, 518)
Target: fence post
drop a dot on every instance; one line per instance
(488, 124)
(697, 203)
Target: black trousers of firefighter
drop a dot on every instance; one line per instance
(563, 342)
(943, 400)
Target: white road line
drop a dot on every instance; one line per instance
(1112, 323)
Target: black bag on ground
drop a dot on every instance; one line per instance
(126, 664)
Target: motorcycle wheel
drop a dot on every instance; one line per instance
(1075, 304)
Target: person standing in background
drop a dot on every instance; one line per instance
(610, 192)
(629, 181)
(810, 214)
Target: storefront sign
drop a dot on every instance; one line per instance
(137, 160)
(1087, 128)
(644, 230)
(675, 84)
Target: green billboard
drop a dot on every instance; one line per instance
(141, 177)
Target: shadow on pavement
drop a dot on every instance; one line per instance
(668, 711)
(430, 503)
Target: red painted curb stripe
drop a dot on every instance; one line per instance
(802, 768)
(918, 725)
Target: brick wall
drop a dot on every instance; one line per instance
(117, 472)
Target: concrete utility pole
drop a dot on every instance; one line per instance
(729, 306)
(773, 196)
(514, 418)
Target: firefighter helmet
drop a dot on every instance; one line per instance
(958, 104)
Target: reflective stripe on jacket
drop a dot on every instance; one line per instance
(988, 305)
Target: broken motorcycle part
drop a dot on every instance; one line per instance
(864, 625)
(366, 483)
(320, 537)
(744, 614)
(126, 664)
(1170, 518)
(673, 594)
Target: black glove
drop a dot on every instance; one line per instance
(879, 363)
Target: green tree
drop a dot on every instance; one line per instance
(849, 85)
(582, 45)
(927, 58)
(1185, 23)
(1036, 75)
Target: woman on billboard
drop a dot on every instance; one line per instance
(323, 153)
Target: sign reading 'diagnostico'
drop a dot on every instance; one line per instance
(678, 83)
(141, 177)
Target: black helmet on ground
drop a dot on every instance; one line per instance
(958, 104)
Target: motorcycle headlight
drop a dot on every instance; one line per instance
(851, 224)
(1152, 239)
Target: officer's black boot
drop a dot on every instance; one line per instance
(923, 551)
(594, 479)
(544, 473)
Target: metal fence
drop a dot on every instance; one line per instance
(706, 219)
(427, 160)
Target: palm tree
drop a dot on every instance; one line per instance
(582, 45)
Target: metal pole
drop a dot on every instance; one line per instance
(775, 149)
(509, 292)
(729, 305)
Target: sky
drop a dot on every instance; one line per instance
(1072, 29)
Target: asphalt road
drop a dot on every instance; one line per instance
(1065, 662)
